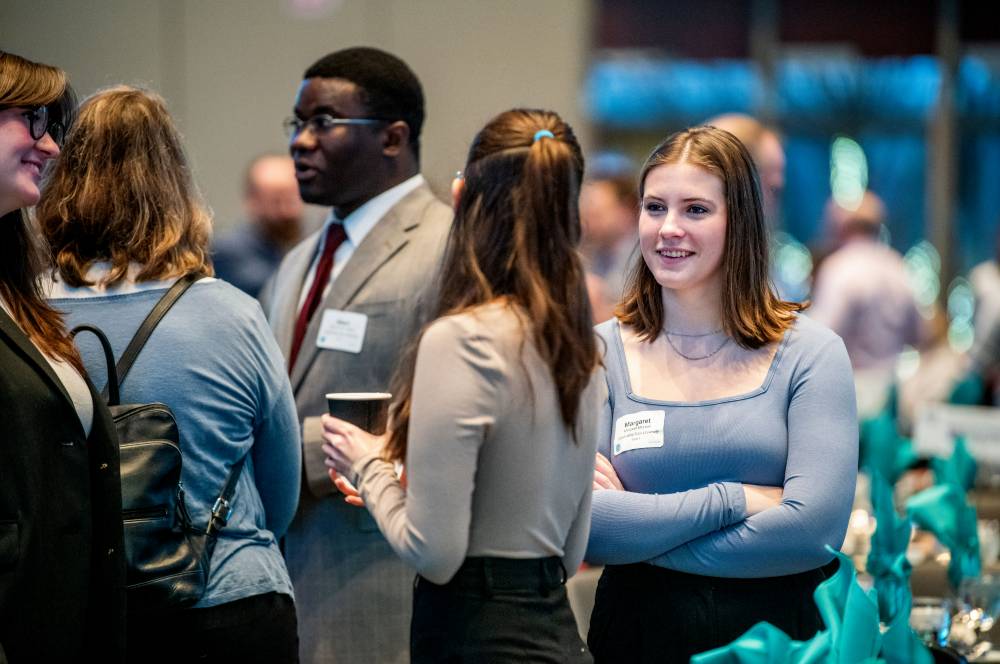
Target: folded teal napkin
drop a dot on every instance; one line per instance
(959, 468)
(890, 570)
(766, 644)
(850, 613)
(943, 510)
(887, 561)
(883, 450)
(968, 391)
(852, 633)
(900, 645)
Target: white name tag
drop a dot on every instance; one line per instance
(342, 330)
(638, 431)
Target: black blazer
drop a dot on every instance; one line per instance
(62, 570)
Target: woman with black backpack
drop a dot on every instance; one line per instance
(124, 222)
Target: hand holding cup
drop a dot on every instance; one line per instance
(354, 427)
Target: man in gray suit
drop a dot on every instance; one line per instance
(343, 305)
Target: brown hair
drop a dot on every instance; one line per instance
(515, 233)
(752, 314)
(122, 192)
(31, 84)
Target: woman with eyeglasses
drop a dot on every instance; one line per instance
(62, 569)
(496, 413)
(124, 221)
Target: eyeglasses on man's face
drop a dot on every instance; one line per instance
(324, 122)
(39, 125)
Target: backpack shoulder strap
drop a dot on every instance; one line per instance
(149, 324)
(110, 395)
(223, 509)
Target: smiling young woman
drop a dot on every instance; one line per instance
(62, 568)
(732, 451)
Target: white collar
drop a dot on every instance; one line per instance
(55, 288)
(359, 223)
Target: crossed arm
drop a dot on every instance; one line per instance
(731, 529)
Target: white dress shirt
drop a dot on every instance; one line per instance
(357, 225)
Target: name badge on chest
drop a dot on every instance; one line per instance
(638, 431)
(342, 330)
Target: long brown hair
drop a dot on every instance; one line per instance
(515, 234)
(752, 314)
(31, 84)
(122, 192)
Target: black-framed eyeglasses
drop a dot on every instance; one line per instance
(324, 122)
(39, 125)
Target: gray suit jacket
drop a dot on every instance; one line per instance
(353, 595)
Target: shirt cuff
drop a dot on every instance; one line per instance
(736, 501)
(367, 463)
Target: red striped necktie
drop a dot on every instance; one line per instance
(335, 236)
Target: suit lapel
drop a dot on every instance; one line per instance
(286, 296)
(387, 237)
(21, 341)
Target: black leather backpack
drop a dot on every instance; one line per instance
(166, 556)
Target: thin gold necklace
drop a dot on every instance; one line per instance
(695, 358)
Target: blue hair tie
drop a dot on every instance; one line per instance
(543, 132)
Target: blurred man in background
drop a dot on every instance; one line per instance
(609, 213)
(248, 255)
(765, 148)
(790, 261)
(861, 291)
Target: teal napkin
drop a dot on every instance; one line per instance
(883, 450)
(890, 569)
(968, 391)
(943, 510)
(900, 645)
(852, 633)
(766, 644)
(959, 468)
(850, 614)
(887, 561)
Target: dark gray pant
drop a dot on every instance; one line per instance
(644, 613)
(496, 610)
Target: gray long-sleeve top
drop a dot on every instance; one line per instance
(491, 468)
(683, 506)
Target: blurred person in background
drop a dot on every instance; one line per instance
(768, 156)
(247, 256)
(861, 290)
(123, 221)
(985, 281)
(497, 411)
(62, 569)
(609, 208)
(731, 444)
(790, 277)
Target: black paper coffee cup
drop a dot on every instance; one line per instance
(366, 410)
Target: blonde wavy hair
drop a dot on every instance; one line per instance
(122, 192)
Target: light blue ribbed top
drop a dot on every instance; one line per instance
(684, 508)
(214, 361)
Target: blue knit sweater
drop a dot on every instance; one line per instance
(214, 361)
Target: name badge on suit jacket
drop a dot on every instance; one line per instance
(342, 330)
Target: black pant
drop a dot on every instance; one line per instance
(261, 628)
(644, 613)
(496, 610)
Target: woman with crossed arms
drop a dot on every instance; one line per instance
(730, 441)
